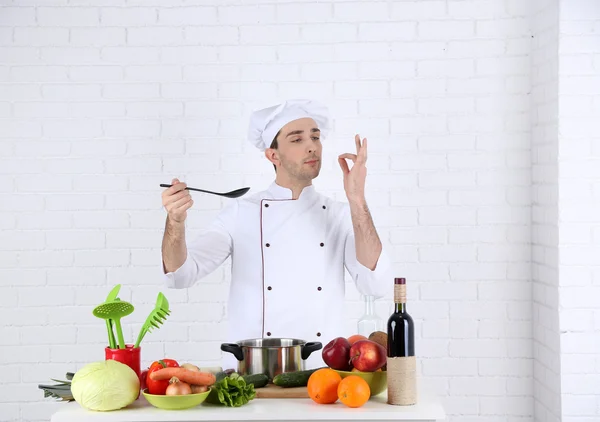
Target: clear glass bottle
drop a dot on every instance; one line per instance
(369, 322)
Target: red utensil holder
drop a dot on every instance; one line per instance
(130, 356)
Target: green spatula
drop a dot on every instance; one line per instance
(156, 317)
(115, 311)
(112, 295)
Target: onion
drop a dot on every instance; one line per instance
(191, 367)
(178, 388)
(196, 389)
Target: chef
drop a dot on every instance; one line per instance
(289, 244)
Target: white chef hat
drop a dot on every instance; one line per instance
(265, 123)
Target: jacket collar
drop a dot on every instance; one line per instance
(276, 191)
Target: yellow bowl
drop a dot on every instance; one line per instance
(175, 402)
(377, 380)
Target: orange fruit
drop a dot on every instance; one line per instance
(353, 391)
(323, 386)
(354, 338)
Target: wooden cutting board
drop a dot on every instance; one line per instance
(272, 391)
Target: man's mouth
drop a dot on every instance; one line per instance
(311, 162)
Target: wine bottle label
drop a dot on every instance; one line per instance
(402, 380)
(400, 293)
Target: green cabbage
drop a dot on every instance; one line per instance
(105, 385)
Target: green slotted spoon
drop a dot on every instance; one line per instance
(156, 317)
(115, 311)
(112, 296)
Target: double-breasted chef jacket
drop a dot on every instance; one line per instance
(287, 260)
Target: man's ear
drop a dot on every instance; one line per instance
(272, 156)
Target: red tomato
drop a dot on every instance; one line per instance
(159, 387)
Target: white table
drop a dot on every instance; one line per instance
(428, 409)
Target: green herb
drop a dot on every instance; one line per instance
(232, 391)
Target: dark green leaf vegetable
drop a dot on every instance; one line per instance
(231, 391)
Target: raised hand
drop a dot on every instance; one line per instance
(354, 179)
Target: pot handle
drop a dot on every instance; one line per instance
(308, 348)
(233, 348)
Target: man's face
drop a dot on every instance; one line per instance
(299, 149)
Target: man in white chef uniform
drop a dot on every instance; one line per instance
(289, 244)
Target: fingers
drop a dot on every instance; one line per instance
(343, 164)
(181, 202)
(349, 156)
(177, 210)
(176, 186)
(362, 154)
(357, 142)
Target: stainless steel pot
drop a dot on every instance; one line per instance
(270, 356)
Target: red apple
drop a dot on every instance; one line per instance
(336, 354)
(367, 356)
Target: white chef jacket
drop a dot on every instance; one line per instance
(288, 260)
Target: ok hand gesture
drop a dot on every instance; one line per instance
(354, 179)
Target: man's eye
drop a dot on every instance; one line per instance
(315, 138)
(296, 140)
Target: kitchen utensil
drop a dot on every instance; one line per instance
(186, 401)
(270, 356)
(156, 317)
(112, 295)
(115, 310)
(232, 194)
(377, 380)
(129, 355)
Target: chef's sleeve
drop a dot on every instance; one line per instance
(377, 282)
(205, 252)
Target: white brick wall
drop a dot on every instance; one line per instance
(102, 101)
(579, 90)
(544, 171)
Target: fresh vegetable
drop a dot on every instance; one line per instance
(178, 388)
(231, 391)
(105, 385)
(159, 387)
(293, 379)
(61, 391)
(183, 374)
(258, 380)
(191, 367)
(211, 369)
(196, 389)
(222, 374)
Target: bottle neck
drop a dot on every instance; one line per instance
(400, 308)
(400, 297)
(369, 305)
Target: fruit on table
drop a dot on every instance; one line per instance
(336, 354)
(323, 385)
(381, 338)
(353, 391)
(367, 356)
(159, 386)
(356, 337)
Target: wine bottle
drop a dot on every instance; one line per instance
(401, 361)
